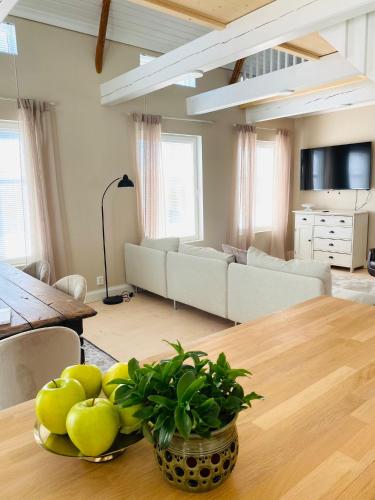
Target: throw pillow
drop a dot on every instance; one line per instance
(164, 244)
(239, 254)
(206, 252)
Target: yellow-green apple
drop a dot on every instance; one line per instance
(93, 425)
(89, 375)
(128, 422)
(61, 445)
(54, 401)
(118, 370)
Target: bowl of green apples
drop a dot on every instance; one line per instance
(78, 416)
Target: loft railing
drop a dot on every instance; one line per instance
(268, 61)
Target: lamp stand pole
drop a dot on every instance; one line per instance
(115, 299)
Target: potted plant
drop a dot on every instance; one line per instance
(189, 409)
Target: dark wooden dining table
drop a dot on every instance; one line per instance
(35, 304)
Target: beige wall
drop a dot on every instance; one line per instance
(349, 126)
(58, 65)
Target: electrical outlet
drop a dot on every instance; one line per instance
(100, 280)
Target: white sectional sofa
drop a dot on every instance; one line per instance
(211, 281)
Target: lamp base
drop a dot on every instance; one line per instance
(115, 299)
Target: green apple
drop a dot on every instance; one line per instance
(93, 425)
(61, 445)
(128, 422)
(89, 375)
(118, 370)
(54, 400)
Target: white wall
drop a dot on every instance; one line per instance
(58, 65)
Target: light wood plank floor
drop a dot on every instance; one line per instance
(137, 328)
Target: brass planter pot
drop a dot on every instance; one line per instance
(199, 464)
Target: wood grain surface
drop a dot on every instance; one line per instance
(35, 304)
(313, 437)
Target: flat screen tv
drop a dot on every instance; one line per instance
(336, 167)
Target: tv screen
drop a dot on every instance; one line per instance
(337, 167)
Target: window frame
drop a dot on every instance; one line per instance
(196, 140)
(13, 47)
(13, 126)
(271, 143)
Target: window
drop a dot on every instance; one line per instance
(12, 213)
(264, 184)
(8, 41)
(181, 163)
(185, 82)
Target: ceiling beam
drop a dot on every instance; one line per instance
(106, 5)
(168, 7)
(296, 78)
(276, 23)
(357, 94)
(236, 73)
(5, 7)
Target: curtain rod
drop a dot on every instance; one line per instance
(258, 128)
(176, 118)
(12, 99)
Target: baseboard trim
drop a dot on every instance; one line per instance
(99, 294)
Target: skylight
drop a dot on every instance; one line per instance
(8, 40)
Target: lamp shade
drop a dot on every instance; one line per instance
(125, 182)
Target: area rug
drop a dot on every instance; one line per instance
(364, 285)
(96, 356)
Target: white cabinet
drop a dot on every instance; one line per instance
(339, 238)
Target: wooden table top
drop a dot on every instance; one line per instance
(35, 304)
(313, 437)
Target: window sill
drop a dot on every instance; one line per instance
(263, 230)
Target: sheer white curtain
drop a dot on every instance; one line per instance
(44, 222)
(281, 193)
(150, 185)
(241, 226)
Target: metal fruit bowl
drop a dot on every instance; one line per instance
(63, 446)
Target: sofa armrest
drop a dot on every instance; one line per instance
(198, 282)
(146, 268)
(255, 292)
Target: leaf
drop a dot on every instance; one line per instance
(163, 402)
(177, 347)
(192, 389)
(212, 422)
(166, 432)
(222, 361)
(144, 413)
(239, 372)
(251, 397)
(183, 422)
(209, 407)
(130, 400)
(187, 378)
(232, 403)
(162, 417)
(133, 366)
(147, 433)
(118, 381)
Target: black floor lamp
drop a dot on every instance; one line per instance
(124, 182)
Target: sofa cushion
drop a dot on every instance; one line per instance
(164, 244)
(206, 253)
(239, 254)
(311, 268)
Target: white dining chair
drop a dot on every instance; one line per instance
(40, 269)
(74, 285)
(30, 359)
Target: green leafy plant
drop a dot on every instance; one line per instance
(187, 393)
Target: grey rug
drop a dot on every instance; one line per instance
(364, 285)
(95, 356)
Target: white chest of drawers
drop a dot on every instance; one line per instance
(337, 237)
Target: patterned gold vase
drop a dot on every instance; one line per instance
(199, 464)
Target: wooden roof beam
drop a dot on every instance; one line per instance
(237, 71)
(102, 35)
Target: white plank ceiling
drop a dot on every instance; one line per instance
(128, 23)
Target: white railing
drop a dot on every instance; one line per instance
(268, 61)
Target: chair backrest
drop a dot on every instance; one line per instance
(40, 270)
(74, 285)
(30, 359)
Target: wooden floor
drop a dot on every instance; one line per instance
(137, 328)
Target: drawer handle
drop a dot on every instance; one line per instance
(331, 245)
(330, 257)
(304, 218)
(309, 241)
(332, 232)
(342, 221)
(322, 220)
